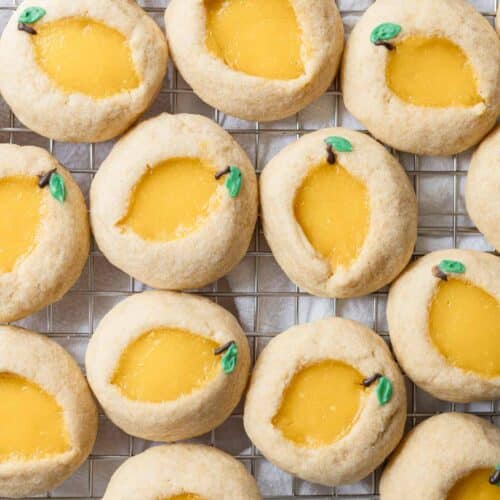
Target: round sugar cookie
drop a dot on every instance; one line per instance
(175, 203)
(339, 213)
(326, 401)
(256, 59)
(182, 472)
(452, 456)
(423, 76)
(167, 366)
(48, 418)
(483, 188)
(444, 318)
(44, 231)
(81, 71)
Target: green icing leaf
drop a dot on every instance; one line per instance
(451, 266)
(230, 359)
(384, 390)
(57, 187)
(385, 31)
(31, 15)
(339, 144)
(234, 181)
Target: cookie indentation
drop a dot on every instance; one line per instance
(21, 202)
(321, 404)
(165, 364)
(257, 37)
(433, 72)
(332, 208)
(31, 421)
(464, 325)
(172, 199)
(185, 496)
(475, 486)
(85, 56)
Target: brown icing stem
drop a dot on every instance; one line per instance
(387, 45)
(367, 382)
(26, 28)
(224, 348)
(439, 274)
(495, 477)
(226, 171)
(331, 159)
(45, 178)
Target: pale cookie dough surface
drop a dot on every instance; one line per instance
(482, 193)
(419, 129)
(437, 453)
(190, 415)
(52, 266)
(252, 97)
(497, 20)
(408, 318)
(168, 471)
(378, 428)
(392, 229)
(76, 117)
(202, 256)
(45, 363)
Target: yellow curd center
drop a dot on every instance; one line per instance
(332, 207)
(431, 72)
(172, 199)
(475, 486)
(321, 404)
(85, 56)
(31, 421)
(257, 37)
(464, 324)
(20, 204)
(165, 364)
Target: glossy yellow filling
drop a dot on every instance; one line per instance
(31, 421)
(20, 206)
(431, 72)
(172, 199)
(165, 364)
(475, 486)
(257, 37)
(321, 404)
(464, 324)
(332, 207)
(82, 55)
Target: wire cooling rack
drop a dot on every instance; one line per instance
(257, 292)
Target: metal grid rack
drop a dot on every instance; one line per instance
(256, 292)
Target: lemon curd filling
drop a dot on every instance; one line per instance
(165, 364)
(172, 199)
(82, 55)
(475, 486)
(464, 325)
(31, 421)
(321, 404)
(431, 71)
(332, 208)
(20, 204)
(257, 37)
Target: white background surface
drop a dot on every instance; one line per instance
(257, 292)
